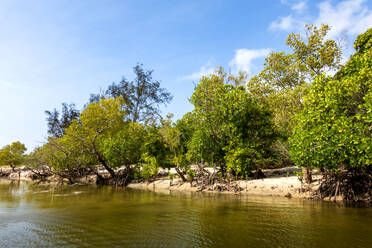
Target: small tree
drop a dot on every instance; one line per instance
(233, 132)
(13, 154)
(98, 122)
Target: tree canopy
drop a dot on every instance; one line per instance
(233, 131)
(57, 124)
(334, 129)
(283, 82)
(12, 154)
(142, 97)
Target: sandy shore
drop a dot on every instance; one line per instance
(276, 184)
(289, 186)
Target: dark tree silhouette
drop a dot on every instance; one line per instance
(57, 124)
(143, 96)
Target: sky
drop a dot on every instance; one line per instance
(62, 51)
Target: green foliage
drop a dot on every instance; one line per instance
(41, 156)
(190, 174)
(250, 132)
(300, 175)
(125, 146)
(234, 132)
(334, 129)
(209, 138)
(83, 145)
(315, 55)
(363, 41)
(149, 166)
(13, 154)
(283, 82)
(156, 147)
(176, 138)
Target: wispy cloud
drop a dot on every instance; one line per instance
(283, 23)
(349, 17)
(243, 59)
(205, 70)
(300, 6)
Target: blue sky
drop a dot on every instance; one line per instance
(61, 51)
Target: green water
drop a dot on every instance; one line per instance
(90, 216)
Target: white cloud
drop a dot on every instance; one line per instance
(299, 7)
(243, 58)
(284, 23)
(205, 70)
(350, 17)
(288, 23)
(242, 61)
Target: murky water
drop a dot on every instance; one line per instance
(90, 216)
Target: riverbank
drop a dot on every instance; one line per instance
(284, 186)
(278, 182)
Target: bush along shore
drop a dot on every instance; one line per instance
(304, 109)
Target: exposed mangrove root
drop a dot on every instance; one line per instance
(257, 174)
(4, 173)
(207, 181)
(72, 174)
(40, 173)
(121, 178)
(354, 185)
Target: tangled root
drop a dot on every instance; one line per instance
(354, 184)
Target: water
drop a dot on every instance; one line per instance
(90, 216)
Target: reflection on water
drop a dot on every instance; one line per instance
(90, 216)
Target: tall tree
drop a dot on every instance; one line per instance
(283, 82)
(142, 96)
(56, 124)
(334, 130)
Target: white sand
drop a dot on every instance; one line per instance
(276, 186)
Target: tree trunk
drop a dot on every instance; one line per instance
(108, 168)
(180, 174)
(99, 177)
(103, 161)
(307, 175)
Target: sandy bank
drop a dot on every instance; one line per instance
(277, 183)
(276, 186)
